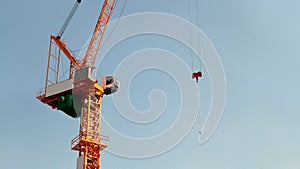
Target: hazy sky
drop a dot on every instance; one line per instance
(258, 45)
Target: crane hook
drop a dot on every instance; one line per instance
(197, 75)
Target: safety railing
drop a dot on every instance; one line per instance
(75, 142)
(41, 93)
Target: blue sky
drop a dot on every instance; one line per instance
(257, 42)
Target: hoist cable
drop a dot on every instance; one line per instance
(199, 39)
(191, 43)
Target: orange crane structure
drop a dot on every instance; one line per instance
(79, 95)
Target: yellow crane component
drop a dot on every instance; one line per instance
(59, 94)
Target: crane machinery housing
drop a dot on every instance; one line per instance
(80, 94)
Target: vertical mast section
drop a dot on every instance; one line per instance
(88, 142)
(93, 49)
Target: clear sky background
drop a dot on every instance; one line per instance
(257, 40)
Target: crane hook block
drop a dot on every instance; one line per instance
(196, 75)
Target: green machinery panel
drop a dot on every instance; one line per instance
(65, 104)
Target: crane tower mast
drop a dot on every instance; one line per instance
(82, 86)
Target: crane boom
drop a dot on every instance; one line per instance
(94, 45)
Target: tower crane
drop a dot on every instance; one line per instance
(80, 94)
